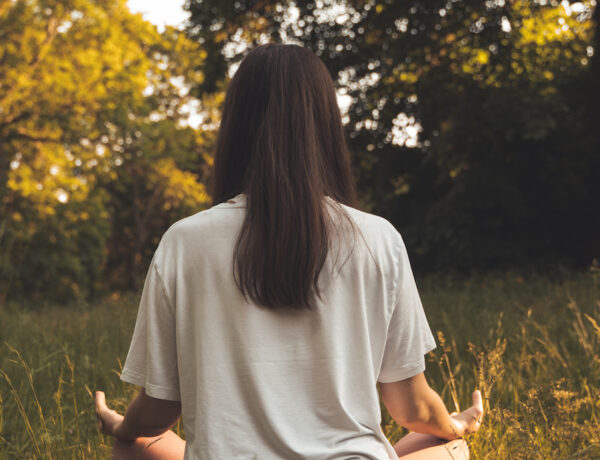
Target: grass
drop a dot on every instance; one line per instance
(530, 343)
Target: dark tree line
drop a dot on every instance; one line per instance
(474, 127)
(506, 167)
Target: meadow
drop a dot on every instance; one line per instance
(531, 343)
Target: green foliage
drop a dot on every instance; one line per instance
(505, 166)
(473, 126)
(54, 256)
(530, 343)
(92, 104)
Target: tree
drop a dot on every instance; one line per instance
(89, 94)
(465, 120)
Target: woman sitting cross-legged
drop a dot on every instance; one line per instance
(267, 321)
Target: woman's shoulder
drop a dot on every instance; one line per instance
(205, 227)
(374, 224)
(209, 216)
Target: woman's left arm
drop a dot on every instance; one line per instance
(145, 417)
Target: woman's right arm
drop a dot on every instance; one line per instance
(413, 404)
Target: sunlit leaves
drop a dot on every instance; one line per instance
(88, 94)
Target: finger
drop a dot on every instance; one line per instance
(100, 400)
(477, 402)
(454, 413)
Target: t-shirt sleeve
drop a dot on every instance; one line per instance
(409, 337)
(152, 359)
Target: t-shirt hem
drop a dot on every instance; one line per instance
(152, 390)
(407, 371)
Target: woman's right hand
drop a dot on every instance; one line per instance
(469, 420)
(415, 405)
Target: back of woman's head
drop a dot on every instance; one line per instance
(281, 142)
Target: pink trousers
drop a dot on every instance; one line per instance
(413, 446)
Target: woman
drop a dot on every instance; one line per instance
(267, 320)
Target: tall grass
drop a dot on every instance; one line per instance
(532, 346)
(530, 343)
(51, 359)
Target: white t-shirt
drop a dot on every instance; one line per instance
(261, 384)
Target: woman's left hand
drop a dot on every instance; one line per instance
(108, 419)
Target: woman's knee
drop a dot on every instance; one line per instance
(458, 449)
(167, 446)
(418, 446)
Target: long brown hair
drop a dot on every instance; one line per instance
(281, 142)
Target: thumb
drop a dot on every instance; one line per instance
(477, 402)
(100, 401)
